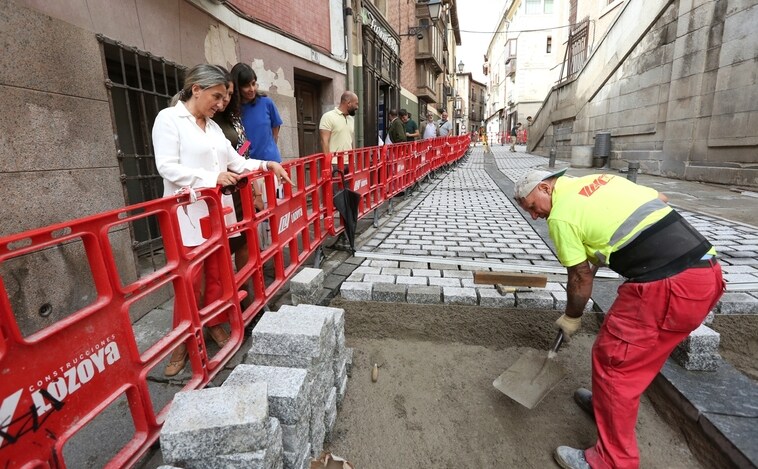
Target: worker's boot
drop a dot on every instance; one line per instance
(583, 398)
(570, 458)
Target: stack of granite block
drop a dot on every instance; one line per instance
(226, 427)
(310, 338)
(342, 358)
(699, 351)
(288, 402)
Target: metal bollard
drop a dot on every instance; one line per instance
(634, 167)
(551, 162)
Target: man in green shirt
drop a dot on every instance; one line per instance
(411, 127)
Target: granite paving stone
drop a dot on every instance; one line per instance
(355, 277)
(215, 421)
(424, 294)
(284, 334)
(535, 299)
(268, 458)
(356, 291)
(426, 273)
(445, 282)
(738, 303)
(459, 295)
(458, 274)
(373, 278)
(368, 270)
(407, 280)
(398, 271)
(288, 389)
(491, 298)
(387, 292)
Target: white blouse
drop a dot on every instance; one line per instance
(188, 156)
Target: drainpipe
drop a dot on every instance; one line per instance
(349, 47)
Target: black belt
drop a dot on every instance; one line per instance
(704, 263)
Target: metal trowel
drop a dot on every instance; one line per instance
(532, 376)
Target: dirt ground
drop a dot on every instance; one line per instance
(739, 342)
(434, 404)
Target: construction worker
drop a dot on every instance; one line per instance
(673, 281)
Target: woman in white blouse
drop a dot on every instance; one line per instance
(192, 151)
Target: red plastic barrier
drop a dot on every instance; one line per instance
(60, 378)
(399, 168)
(367, 177)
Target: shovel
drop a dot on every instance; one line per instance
(532, 376)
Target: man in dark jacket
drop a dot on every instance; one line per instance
(396, 130)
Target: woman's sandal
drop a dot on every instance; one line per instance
(176, 365)
(219, 335)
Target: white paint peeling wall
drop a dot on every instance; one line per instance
(220, 46)
(270, 81)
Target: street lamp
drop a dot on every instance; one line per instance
(460, 66)
(434, 9)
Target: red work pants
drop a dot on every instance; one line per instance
(644, 325)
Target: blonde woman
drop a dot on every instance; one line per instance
(192, 151)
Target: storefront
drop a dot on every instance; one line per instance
(381, 73)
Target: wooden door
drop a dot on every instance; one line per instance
(308, 116)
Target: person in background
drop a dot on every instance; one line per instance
(396, 130)
(429, 127)
(514, 135)
(337, 129)
(444, 125)
(673, 281)
(411, 128)
(191, 151)
(259, 115)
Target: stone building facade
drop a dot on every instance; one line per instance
(675, 85)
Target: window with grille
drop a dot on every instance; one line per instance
(139, 86)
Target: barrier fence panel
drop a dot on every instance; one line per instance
(367, 178)
(75, 369)
(59, 378)
(399, 167)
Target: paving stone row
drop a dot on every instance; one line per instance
(466, 216)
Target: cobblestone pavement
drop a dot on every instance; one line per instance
(462, 221)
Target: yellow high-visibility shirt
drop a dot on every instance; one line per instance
(595, 215)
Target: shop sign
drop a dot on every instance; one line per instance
(372, 22)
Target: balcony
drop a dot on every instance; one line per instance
(510, 67)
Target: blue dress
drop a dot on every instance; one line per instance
(259, 118)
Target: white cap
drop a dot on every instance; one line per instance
(529, 181)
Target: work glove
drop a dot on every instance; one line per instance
(568, 325)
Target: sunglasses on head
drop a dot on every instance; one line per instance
(227, 190)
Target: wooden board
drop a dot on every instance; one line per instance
(514, 279)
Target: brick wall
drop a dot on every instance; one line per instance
(310, 23)
(401, 22)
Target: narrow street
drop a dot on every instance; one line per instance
(434, 401)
